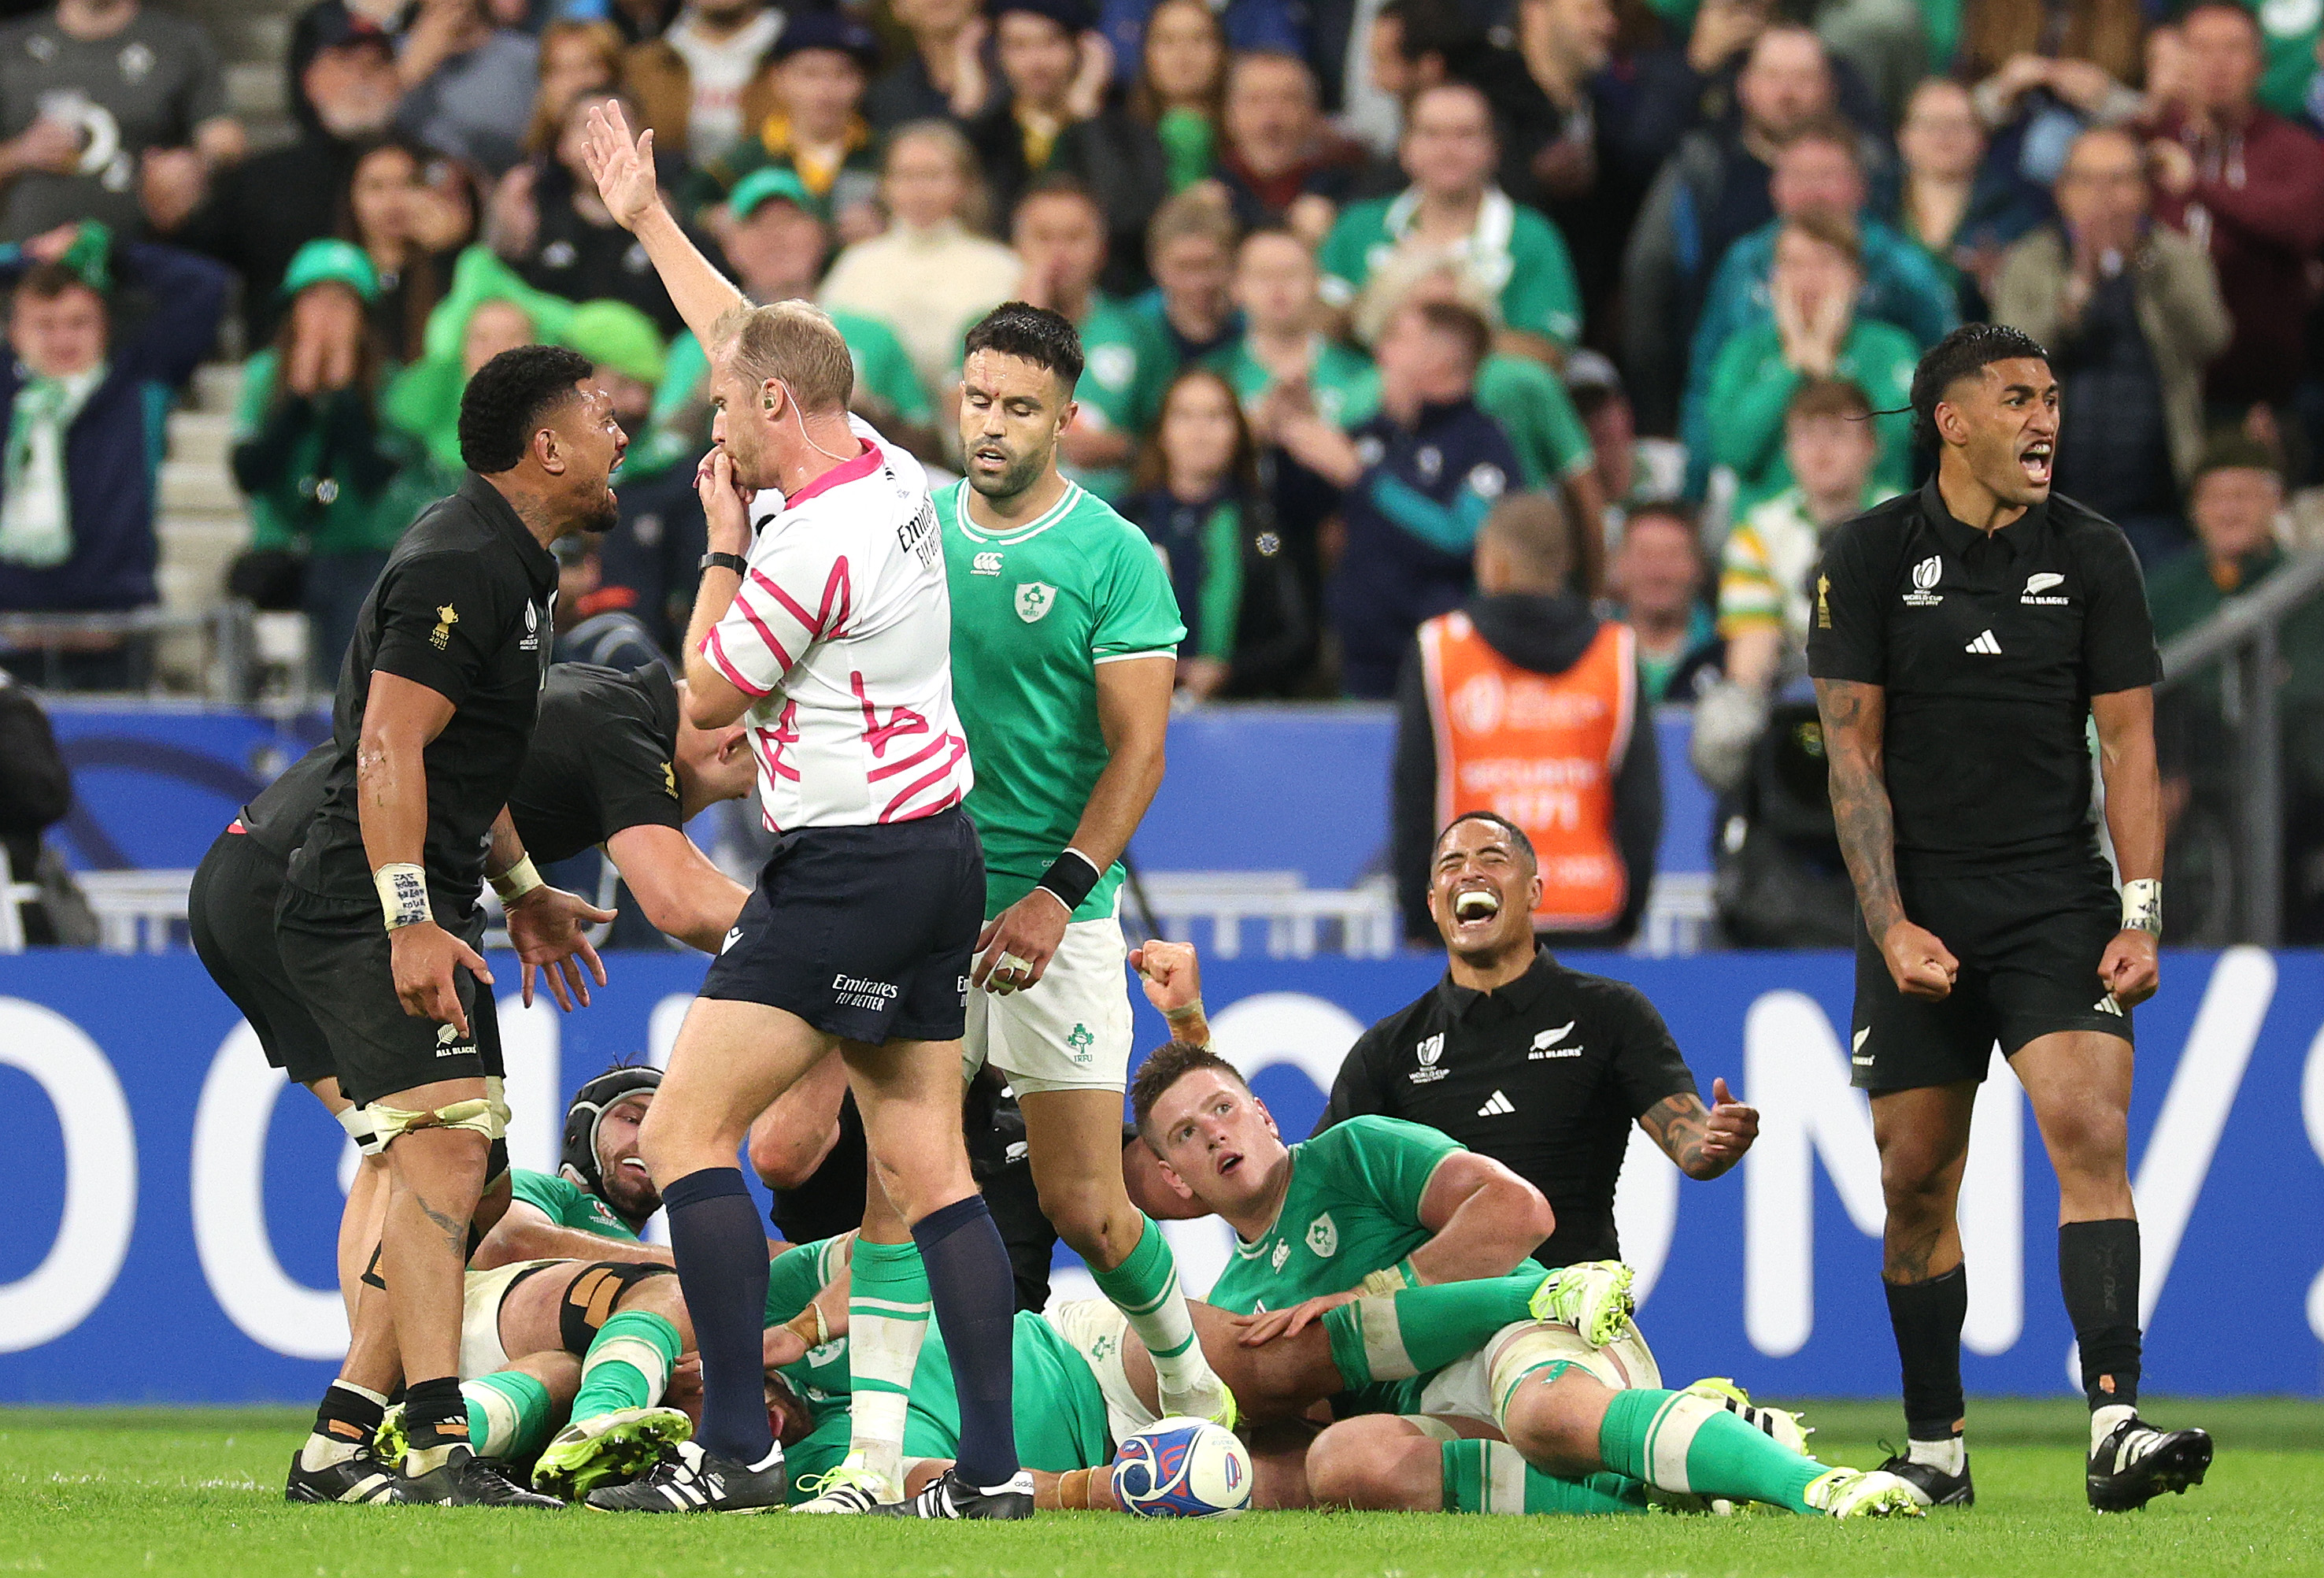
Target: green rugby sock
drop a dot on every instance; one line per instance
(508, 1414)
(1676, 1441)
(1422, 1329)
(887, 1308)
(1145, 1289)
(628, 1364)
(1489, 1476)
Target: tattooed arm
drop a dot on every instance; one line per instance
(1855, 716)
(1704, 1141)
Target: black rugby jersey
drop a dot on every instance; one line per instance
(1990, 650)
(1546, 1075)
(465, 606)
(603, 759)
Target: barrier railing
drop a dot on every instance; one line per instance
(2242, 640)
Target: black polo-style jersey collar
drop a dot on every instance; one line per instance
(660, 689)
(2021, 537)
(1517, 997)
(488, 501)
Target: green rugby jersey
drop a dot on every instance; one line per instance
(1344, 383)
(1128, 363)
(1353, 1208)
(1035, 609)
(1059, 1411)
(568, 1204)
(1514, 250)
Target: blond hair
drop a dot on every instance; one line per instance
(791, 342)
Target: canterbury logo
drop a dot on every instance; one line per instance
(1983, 646)
(985, 564)
(1496, 1105)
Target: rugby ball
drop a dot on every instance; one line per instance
(1182, 1468)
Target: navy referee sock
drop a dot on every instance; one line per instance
(722, 1267)
(975, 1295)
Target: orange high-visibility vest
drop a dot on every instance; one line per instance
(1542, 751)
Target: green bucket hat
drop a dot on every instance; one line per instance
(618, 336)
(319, 261)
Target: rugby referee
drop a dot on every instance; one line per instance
(434, 710)
(1963, 637)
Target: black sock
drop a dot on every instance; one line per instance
(2098, 1267)
(435, 1414)
(975, 1295)
(1927, 1317)
(347, 1416)
(722, 1266)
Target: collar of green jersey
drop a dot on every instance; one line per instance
(1046, 519)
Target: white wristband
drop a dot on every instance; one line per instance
(2141, 905)
(519, 879)
(402, 894)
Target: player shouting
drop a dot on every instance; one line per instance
(434, 710)
(832, 636)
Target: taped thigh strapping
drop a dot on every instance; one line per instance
(590, 1298)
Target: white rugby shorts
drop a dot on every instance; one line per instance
(1071, 1030)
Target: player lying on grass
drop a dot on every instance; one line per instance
(1070, 1409)
(1378, 1206)
(563, 1283)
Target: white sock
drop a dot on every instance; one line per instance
(1167, 1330)
(1950, 1456)
(882, 1351)
(2105, 1421)
(320, 1451)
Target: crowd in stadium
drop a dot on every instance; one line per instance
(1349, 274)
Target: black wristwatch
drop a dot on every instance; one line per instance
(726, 561)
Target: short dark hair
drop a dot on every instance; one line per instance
(1516, 834)
(47, 281)
(1969, 349)
(1165, 1067)
(503, 403)
(1030, 334)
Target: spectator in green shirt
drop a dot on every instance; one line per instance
(1059, 233)
(1815, 331)
(326, 478)
(1181, 82)
(1281, 348)
(1454, 215)
(1200, 501)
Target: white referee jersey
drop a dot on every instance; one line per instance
(842, 631)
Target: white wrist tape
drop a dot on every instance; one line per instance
(519, 879)
(402, 894)
(2141, 905)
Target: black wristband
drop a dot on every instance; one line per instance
(726, 561)
(1070, 877)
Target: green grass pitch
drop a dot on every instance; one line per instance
(200, 1492)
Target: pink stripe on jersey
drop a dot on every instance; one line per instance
(715, 650)
(836, 588)
(845, 472)
(765, 634)
(908, 763)
(959, 749)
